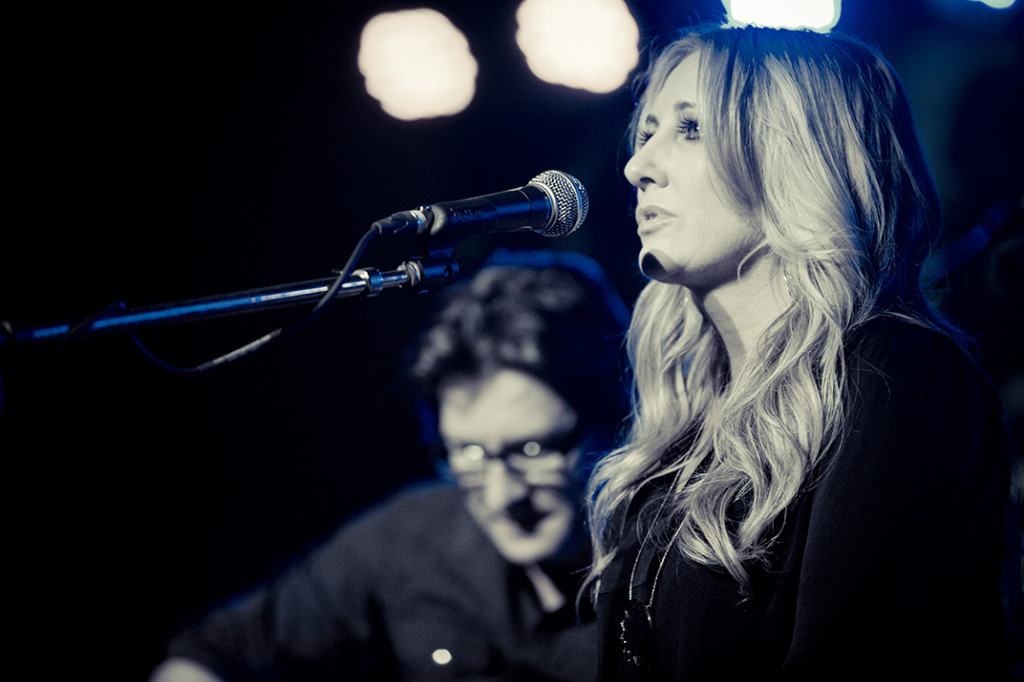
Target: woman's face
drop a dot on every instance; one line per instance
(688, 234)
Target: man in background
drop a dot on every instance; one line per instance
(474, 576)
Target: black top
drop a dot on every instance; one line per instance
(413, 590)
(888, 568)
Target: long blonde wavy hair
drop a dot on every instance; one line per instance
(812, 137)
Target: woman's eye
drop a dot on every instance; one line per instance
(689, 129)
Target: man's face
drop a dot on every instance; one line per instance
(511, 444)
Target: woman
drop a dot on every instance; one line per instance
(814, 480)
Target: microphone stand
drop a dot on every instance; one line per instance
(416, 275)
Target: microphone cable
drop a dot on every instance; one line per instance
(273, 336)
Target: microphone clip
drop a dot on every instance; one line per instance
(402, 224)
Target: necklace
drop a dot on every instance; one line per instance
(637, 623)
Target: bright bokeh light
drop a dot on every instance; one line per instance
(585, 44)
(997, 4)
(818, 15)
(417, 64)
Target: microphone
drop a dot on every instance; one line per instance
(553, 204)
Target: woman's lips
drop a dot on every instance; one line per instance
(651, 216)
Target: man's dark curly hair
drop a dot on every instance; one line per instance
(553, 315)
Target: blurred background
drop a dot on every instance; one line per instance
(164, 152)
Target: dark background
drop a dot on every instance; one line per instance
(162, 152)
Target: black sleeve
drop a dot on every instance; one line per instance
(314, 621)
(900, 572)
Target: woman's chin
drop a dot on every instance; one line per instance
(657, 265)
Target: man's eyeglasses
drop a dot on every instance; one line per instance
(536, 463)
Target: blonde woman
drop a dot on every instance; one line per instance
(815, 476)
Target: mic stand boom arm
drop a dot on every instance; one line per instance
(415, 275)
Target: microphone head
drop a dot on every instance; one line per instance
(570, 202)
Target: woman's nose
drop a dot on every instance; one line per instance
(646, 166)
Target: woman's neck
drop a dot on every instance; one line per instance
(741, 310)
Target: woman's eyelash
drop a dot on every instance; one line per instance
(687, 127)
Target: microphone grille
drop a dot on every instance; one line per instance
(571, 202)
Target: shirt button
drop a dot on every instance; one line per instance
(441, 656)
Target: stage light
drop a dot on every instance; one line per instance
(997, 4)
(818, 15)
(417, 64)
(585, 44)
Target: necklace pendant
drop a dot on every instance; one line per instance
(637, 635)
